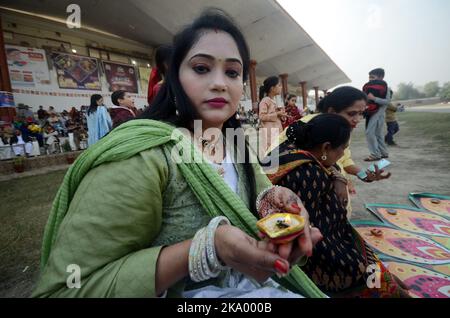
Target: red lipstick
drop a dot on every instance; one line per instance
(217, 102)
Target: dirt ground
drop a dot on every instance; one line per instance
(419, 164)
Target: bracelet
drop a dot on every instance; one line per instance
(194, 271)
(210, 246)
(261, 195)
(203, 261)
(206, 272)
(262, 205)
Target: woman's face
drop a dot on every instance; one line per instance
(211, 76)
(333, 155)
(276, 90)
(353, 113)
(292, 101)
(100, 102)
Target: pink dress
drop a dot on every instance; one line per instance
(271, 125)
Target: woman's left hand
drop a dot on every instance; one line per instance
(284, 200)
(377, 175)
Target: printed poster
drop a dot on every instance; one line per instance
(121, 77)
(77, 72)
(27, 66)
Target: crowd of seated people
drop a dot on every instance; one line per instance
(47, 127)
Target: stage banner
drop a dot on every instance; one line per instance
(121, 77)
(77, 72)
(27, 66)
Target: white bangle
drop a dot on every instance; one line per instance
(193, 257)
(203, 261)
(210, 246)
(205, 269)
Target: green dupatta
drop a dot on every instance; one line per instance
(136, 136)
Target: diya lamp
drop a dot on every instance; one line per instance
(281, 228)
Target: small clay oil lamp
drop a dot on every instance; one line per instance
(281, 228)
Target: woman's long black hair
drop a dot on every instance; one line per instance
(162, 57)
(268, 83)
(331, 128)
(340, 99)
(93, 107)
(288, 98)
(173, 106)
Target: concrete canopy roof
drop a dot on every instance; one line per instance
(277, 42)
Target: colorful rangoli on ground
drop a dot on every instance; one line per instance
(413, 242)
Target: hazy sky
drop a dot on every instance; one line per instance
(410, 39)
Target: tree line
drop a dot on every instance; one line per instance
(407, 91)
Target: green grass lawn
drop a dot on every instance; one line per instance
(433, 126)
(26, 203)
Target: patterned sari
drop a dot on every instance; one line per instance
(342, 265)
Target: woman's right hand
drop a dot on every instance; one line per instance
(281, 114)
(257, 259)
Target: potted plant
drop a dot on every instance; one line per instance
(19, 164)
(67, 149)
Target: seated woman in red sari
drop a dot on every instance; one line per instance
(341, 263)
(292, 112)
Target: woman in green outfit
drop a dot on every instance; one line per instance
(133, 220)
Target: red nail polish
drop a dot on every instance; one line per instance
(295, 206)
(280, 267)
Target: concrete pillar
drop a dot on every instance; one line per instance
(284, 83)
(316, 91)
(304, 95)
(253, 90)
(5, 83)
